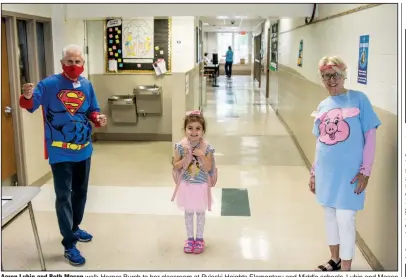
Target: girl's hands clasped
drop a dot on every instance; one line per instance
(198, 152)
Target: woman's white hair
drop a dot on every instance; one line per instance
(336, 63)
(72, 48)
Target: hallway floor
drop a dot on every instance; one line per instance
(263, 218)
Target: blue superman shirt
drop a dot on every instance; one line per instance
(67, 108)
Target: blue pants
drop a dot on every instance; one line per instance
(228, 68)
(70, 183)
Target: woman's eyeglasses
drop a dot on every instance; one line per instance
(328, 76)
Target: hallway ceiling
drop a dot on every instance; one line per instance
(230, 23)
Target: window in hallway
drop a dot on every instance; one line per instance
(224, 40)
(42, 70)
(240, 47)
(237, 41)
(22, 51)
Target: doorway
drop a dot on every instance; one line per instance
(8, 155)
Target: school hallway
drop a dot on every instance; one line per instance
(263, 218)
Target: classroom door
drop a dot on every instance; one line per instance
(8, 157)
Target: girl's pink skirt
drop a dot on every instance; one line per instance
(192, 197)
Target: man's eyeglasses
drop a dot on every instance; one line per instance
(328, 76)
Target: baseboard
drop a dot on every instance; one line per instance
(366, 252)
(131, 137)
(43, 180)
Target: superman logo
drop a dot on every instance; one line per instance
(72, 100)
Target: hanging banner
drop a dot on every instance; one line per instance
(363, 59)
(300, 56)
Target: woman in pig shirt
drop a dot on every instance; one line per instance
(345, 126)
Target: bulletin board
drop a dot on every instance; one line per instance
(133, 45)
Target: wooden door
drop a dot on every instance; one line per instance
(8, 158)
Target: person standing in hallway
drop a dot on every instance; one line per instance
(69, 104)
(194, 174)
(229, 62)
(345, 126)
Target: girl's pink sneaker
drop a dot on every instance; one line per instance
(198, 247)
(189, 246)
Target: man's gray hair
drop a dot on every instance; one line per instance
(72, 47)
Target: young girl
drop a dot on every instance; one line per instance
(194, 174)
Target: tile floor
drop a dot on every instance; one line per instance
(280, 226)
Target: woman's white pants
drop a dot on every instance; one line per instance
(340, 225)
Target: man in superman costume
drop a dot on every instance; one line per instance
(69, 104)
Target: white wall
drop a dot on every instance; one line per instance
(98, 11)
(340, 36)
(44, 10)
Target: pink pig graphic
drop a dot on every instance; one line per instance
(333, 128)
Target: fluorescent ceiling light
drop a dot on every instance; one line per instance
(206, 24)
(222, 17)
(241, 17)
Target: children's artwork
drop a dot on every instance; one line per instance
(134, 44)
(160, 67)
(138, 38)
(112, 65)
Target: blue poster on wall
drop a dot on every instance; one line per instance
(363, 59)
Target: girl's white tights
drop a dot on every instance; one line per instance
(200, 221)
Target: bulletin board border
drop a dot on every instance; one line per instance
(137, 72)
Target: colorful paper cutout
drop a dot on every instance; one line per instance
(139, 65)
(110, 29)
(156, 48)
(117, 41)
(116, 36)
(121, 65)
(116, 55)
(110, 41)
(119, 32)
(111, 35)
(109, 49)
(111, 53)
(116, 28)
(119, 60)
(114, 47)
(119, 50)
(161, 52)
